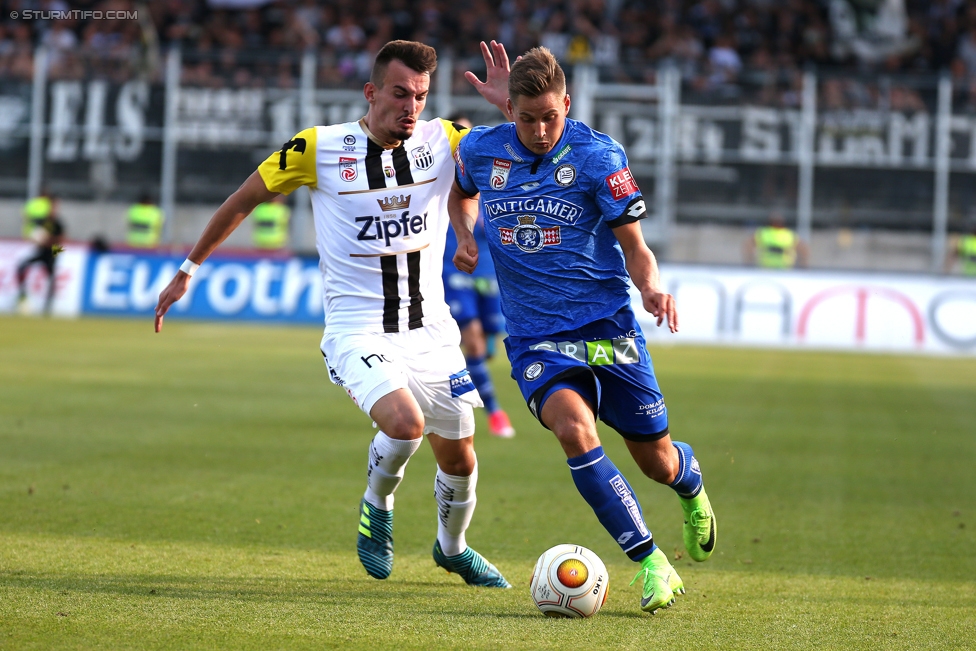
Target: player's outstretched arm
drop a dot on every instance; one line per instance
(495, 87)
(463, 211)
(642, 267)
(228, 217)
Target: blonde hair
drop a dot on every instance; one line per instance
(536, 74)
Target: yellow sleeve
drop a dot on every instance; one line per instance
(454, 133)
(293, 165)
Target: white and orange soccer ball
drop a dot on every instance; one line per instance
(569, 581)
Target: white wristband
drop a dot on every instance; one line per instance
(189, 267)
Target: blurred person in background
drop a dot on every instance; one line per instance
(379, 188)
(964, 250)
(271, 224)
(48, 236)
(36, 211)
(144, 224)
(775, 246)
(475, 305)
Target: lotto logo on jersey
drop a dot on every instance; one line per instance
(622, 183)
(347, 169)
(500, 170)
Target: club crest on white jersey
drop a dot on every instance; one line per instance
(422, 157)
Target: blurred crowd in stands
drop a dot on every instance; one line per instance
(718, 45)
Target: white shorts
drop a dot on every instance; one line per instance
(427, 361)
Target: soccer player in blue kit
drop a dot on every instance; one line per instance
(561, 214)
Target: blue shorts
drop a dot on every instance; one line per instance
(474, 297)
(606, 362)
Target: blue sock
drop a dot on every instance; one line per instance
(482, 382)
(613, 501)
(688, 482)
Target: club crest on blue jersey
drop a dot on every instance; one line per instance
(461, 383)
(422, 156)
(528, 236)
(500, 169)
(533, 371)
(565, 175)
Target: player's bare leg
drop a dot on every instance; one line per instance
(455, 491)
(674, 464)
(401, 432)
(570, 417)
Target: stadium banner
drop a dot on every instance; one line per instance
(69, 276)
(225, 287)
(813, 309)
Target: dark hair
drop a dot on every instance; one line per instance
(414, 55)
(536, 74)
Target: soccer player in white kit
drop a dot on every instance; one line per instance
(379, 189)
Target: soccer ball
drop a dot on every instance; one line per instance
(569, 581)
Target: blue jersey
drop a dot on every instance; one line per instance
(548, 220)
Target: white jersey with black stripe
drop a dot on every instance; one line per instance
(380, 220)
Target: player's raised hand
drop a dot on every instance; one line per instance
(173, 292)
(466, 256)
(663, 307)
(495, 87)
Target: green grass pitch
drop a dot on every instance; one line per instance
(198, 489)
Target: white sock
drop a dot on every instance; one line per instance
(387, 460)
(456, 500)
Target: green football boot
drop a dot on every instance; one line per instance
(700, 528)
(375, 542)
(661, 582)
(472, 567)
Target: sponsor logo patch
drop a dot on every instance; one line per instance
(347, 169)
(391, 204)
(562, 152)
(533, 371)
(458, 161)
(500, 170)
(622, 183)
(349, 143)
(565, 175)
(623, 492)
(461, 383)
(601, 352)
(552, 207)
(422, 156)
(528, 236)
(511, 152)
